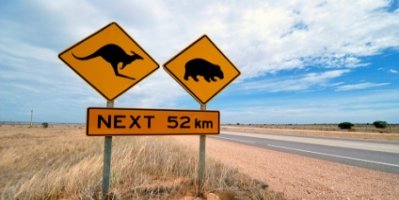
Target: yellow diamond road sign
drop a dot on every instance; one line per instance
(110, 61)
(202, 69)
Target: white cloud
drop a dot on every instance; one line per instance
(393, 71)
(158, 90)
(303, 82)
(258, 36)
(360, 86)
(367, 107)
(333, 34)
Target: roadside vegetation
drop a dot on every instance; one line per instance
(345, 125)
(365, 127)
(376, 124)
(358, 131)
(380, 124)
(60, 162)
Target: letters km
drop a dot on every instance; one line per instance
(114, 55)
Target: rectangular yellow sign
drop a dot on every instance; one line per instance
(124, 121)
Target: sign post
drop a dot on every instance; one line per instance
(203, 70)
(201, 163)
(107, 165)
(107, 159)
(111, 62)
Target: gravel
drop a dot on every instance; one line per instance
(300, 177)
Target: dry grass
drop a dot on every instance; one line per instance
(60, 162)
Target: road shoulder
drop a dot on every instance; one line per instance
(301, 177)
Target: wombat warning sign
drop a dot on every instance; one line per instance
(202, 69)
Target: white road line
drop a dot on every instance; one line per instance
(363, 145)
(236, 140)
(332, 155)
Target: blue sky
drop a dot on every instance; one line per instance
(301, 61)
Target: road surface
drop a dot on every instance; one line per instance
(382, 156)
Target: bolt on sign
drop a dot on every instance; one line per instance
(124, 121)
(202, 69)
(110, 61)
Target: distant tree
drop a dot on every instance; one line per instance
(380, 124)
(238, 124)
(45, 125)
(345, 125)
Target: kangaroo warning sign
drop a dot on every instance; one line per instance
(202, 69)
(110, 61)
(124, 121)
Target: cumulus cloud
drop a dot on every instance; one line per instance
(360, 86)
(280, 35)
(158, 90)
(259, 37)
(367, 107)
(297, 83)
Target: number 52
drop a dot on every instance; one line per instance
(173, 122)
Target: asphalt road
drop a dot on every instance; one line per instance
(382, 156)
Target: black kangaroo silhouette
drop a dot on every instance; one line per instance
(114, 55)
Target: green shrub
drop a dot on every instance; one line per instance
(380, 124)
(45, 125)
(345, 125)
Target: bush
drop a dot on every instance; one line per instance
(45, 125)
(380, 124)
(345, 125)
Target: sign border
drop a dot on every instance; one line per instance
(95, 33)
(184, 86)
(145, 109)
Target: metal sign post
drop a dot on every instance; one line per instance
(107, 159)
(201, 162)
(31, 117)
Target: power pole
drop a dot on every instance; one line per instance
(31, 117)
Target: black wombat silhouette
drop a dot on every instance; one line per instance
(201, 67)
(114, 55)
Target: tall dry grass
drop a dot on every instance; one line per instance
(62, 163)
